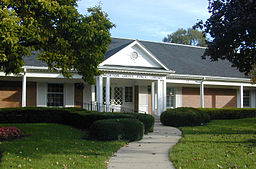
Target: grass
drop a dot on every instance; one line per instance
(55, 146)
(219, 144)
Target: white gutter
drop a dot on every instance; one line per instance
(199, 77)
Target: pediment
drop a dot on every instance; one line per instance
(134, 55)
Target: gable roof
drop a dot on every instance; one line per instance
(183, 59)
(186, 59)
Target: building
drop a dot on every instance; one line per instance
(139, 76)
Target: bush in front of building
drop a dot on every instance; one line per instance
(184, 116)
(229, 113)
(148, 121)
(75, 117)
(133, 129)
(108, 129)
(117, 129)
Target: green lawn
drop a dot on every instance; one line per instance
(55, 146)
(219, 144)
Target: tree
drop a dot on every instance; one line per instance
(232, 26)
(187, 37)
(67, 40)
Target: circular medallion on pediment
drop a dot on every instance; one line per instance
(134, 56)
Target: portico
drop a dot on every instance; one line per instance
(131, 91)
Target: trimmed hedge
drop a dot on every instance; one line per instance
(148, 122)
(109, 129)
(75, 117)
(229, 113)
(117, 129)
(184, 116)
(133, 129)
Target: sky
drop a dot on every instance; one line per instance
(149, 19)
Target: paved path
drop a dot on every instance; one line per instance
(149, 153)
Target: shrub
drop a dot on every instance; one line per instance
(133, 129)
(115, 129)
(67, 116)
(229, 113)
(148, 122)
(10, 133)
(184, 116)
(95, 116)
(109, 129)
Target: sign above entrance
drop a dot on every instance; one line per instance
(133, 76)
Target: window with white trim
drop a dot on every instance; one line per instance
(246, 99)
(55, 95)
(170, 97)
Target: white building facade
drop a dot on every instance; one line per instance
(139, 76)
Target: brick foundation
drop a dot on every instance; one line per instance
(213, 97)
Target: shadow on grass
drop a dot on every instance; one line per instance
(53, 139)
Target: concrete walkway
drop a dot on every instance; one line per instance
(150, 152)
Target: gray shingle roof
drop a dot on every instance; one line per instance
(33, 61)
(182, 59)
(187, 60)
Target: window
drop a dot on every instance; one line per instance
(118, 95)
(55, 95)
(246, 98)
(128, 94)
(170, 97)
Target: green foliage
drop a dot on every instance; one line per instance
(187, 37)
(232, 27)
(55, 146)
(116, 129)
(184, 116)
(148, 122)
(110, 129)
(218, 144)
(75, 117)
(94, 116)
(229, 113)
(66, 40)
(133, 129)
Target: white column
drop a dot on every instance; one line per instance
(252, 98)
(24, 88)
(164, 95)
(100, 101)
(241, 91)
(97, 89)
(202, 93)
(108, 94)
(93, 93)
(159, 97)
(153, 98)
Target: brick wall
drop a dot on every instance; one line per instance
(11, 94)
(213, 97)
